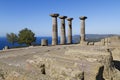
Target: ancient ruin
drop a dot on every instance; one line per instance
(69, 30)
(54, 29)
(82, 35)
(63, 31)
(44, 42)
(63, 34)
(95, 61)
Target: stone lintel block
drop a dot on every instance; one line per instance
(69, 19)
(83, 17)
(54, 15)
(63, 17)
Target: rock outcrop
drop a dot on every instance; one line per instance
(9, 72)
(62, 62)
(84, 63)
(113, 41)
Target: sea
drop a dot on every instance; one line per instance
(4, 42)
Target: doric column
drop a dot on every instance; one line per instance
(69, 30)
(82, 18)
(54, 29)
(63, 35)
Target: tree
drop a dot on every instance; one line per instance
(26, 36)
(12, 38)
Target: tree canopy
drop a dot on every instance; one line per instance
(26, 36)
(12, 38)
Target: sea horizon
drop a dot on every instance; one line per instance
(4, 42)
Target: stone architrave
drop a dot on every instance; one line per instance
(82, 39)
(54, 29)
(69, 41)
(63, 34)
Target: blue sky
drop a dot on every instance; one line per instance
(103, 15)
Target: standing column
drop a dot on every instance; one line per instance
(70, 30)
(82, 18)
(54, 29)
(63, 37)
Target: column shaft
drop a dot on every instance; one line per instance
(63, 34)
(69, 30)
(82, 30)
(54, 31)
(82, 39)
(63, 38)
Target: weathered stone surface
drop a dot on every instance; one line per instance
(82, 39)
(54, 15)
(54, 29)
(63, 33)
(90, 43)
(8, 72)
(113, 41)
(44, 42)
(5, 48)
(83, 17)
(95, 63)
(116, 54)
(69, 41)
(61, 62)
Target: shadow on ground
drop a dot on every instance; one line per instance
(117, 64)
(100, 74)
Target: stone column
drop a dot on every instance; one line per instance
(82, 18)
(69, 30)
(63, 35)
(54, 29)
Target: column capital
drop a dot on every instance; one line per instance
(54, 15)
(69, 19)
(62, 17)
(82, 17)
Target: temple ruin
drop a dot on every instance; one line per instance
(100, 61)
(82, 18)
(54, 29)
(69, 41)
(63, 32)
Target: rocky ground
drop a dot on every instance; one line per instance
(15, 60)
(61, 62)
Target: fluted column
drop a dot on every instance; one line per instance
(54, 29)
(82, 18)
(63, 34)
(69, 30)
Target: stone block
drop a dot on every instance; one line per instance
(44, 42)
(5, 48)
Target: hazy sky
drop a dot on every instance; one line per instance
(103, 15)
